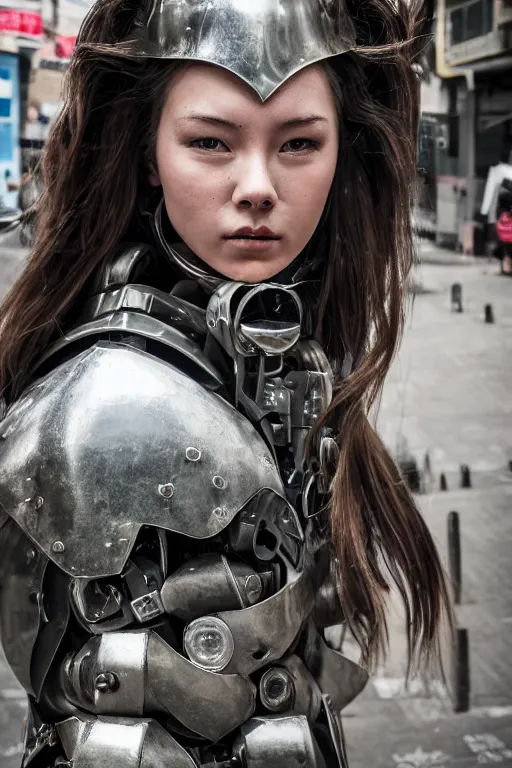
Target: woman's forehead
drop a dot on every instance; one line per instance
(198, 88)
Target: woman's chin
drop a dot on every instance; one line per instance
(253, 271)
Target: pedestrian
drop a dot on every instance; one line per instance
(504, 227)
(35, 126)
(192, 492)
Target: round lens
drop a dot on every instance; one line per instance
(209, 643)
(276, 690)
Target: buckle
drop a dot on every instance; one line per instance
(46, 736)
(147, 607)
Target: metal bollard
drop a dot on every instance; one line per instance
(465, 476)
(443, 484)
(409, 469)
(460, 672)
(489, 313)
(456, 294)
(454, 555)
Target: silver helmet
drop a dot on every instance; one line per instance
(264, 42)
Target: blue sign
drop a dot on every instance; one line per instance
(10, 166)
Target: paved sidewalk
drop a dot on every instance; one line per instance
(12, 257)
(447, 396)
(430, 253)
(12, 697)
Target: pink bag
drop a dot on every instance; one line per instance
(504, 228)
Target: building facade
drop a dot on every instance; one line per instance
(21, 34)
(36, 41)
(473, 59)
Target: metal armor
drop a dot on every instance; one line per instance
(166, 579)
(264, 43)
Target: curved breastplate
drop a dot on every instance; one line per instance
(114, 439)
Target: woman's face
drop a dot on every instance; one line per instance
(245, 183)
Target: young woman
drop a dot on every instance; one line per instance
(192, 494)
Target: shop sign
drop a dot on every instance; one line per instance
(21, 22)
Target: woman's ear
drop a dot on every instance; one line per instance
(154, 178)
(152, 170)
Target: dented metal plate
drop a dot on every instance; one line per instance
(115, 439)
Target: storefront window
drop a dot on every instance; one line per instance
(457, 21)
(474, 21)
(470, 21)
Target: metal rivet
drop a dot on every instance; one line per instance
(58, 546)
(221, 513)
(166, 490)
(219, 482)
(106, 682)
(193, 454)
(211, 322)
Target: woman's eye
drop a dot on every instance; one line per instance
(299, 145)
(212, 145)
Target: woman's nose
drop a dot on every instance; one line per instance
(255, 188)
(265, 204)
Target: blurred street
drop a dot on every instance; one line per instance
(12, 698)
(11, 260)
(447, 396)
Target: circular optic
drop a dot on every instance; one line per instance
(268, 320)
(276, 690)
(209, 643)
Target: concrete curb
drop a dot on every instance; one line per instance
(451, 261)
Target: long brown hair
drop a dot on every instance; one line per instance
(93, 169)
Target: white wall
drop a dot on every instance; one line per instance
(434, 98)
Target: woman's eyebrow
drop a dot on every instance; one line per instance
(295, 121)
(304, 120)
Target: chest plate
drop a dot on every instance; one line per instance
(115, 439)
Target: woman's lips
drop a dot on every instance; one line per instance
(253, 243)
